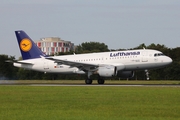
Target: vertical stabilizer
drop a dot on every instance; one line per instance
(28, 48)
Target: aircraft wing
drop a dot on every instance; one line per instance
(80, 65)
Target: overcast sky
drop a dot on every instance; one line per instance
(117, 23)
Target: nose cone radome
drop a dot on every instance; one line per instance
(168, 60)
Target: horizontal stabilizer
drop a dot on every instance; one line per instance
(25, 63)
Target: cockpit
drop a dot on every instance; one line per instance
(158, 54)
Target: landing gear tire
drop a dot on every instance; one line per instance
(88, 81)
(100, 81)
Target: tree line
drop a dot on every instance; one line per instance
(171, 72)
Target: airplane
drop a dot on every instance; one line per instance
(105, 64)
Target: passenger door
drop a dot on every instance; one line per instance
(144, 56)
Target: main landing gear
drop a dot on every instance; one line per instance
(89, 80)
(99, 81)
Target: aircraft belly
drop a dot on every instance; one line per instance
(141, 66)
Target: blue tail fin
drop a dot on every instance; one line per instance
(28, 48)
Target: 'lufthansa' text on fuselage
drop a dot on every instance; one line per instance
(124, 54)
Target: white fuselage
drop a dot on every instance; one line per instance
(131, 59)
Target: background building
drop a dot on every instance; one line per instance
(53, 45)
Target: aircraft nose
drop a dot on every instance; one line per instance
(168, 60)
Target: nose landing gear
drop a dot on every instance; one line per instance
(147, 74)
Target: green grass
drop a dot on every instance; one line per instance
(89, 103)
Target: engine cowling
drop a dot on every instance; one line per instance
(106, 71)
(125, 74)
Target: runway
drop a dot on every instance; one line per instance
(95, 85)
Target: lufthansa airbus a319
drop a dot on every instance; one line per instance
(105, 64)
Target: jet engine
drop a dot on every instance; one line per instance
(106, 71)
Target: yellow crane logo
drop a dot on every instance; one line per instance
(25, 45)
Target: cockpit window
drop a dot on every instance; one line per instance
(158, 54)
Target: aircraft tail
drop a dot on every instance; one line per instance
(28, 48)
